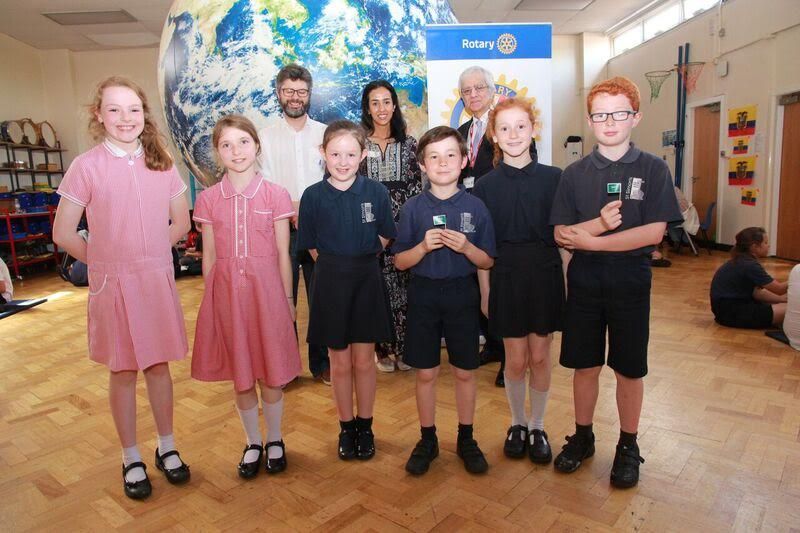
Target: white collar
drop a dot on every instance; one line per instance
(116, 151)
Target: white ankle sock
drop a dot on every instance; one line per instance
(166, 443)
(131, 455)
(273, 413)
(538, 404)
(249, 419)
(515, 391)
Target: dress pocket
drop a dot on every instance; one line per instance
(97, 282)
(263, 220)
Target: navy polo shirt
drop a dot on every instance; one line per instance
(345, 222)
(738, 278)
(519, 200)
(645, 186)
(464, 212)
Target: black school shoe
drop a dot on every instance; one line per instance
(176, 476)
(347, 444)
(250, 470)
(138, 490)
(573, 453)
(423, 455)
(625, 472)
(365, 444)
(539, 450)
(474, 461)
(275, 466)
(516, 438)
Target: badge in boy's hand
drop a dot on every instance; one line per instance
(440, 221)
(614, 189)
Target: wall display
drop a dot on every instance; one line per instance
(741, 145)
(749, 196)
(518, 55)
(668, 138)
(742, 120)
(218, 58)
(741, 170)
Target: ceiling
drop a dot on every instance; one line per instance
(23, 19)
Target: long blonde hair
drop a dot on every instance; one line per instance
(156, 156)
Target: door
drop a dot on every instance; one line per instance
(788, 237)
(705, 162)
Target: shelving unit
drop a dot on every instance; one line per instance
(47, 237)
(50, 155)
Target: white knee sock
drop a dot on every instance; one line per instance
(249, 419)
(515, 391)
(166, 443)
(538, 404)
(131, 455)
(273, 413)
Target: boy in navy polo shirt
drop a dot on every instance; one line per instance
(611, 208)
(444, 235)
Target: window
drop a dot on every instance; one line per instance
(662, 21)
(628, 39)
(695, 7)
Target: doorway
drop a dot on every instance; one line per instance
(788, 231)
(705, 162)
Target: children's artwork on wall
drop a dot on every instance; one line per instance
(749, 196)
(742, 121)
(741, 170)
(741, 145)
(668, 138)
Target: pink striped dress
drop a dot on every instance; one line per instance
(135, 319)
(244, 328)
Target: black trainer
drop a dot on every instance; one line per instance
(347, 444)
(473, 458)
(539, 450)
(625, 472)
(365, 444)
(516, 438)
(573, 453)
(423, 455)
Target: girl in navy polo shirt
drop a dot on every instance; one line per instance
(345, 222)
(523, 296)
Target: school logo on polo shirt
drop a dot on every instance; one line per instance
(366, 213)
(466, 223)
(634, 190)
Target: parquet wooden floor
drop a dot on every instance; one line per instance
(720, 433)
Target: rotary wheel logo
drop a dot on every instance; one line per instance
(506, 43)
(457, 115)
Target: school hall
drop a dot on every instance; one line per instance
(720, 423)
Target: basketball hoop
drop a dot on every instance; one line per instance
(656, 79)
(690, 72)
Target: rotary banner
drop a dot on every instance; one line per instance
(517, 55)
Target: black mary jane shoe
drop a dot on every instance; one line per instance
(250, 470)
(274, 466)
(137, 490)
(176, 476)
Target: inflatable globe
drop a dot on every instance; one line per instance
(222, 56)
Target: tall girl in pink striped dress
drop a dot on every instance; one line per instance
(135, 205)
(245, 326)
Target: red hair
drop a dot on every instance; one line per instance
(615, 86)
(519, 102)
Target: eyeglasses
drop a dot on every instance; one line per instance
(302, 93)
(478, 89)
(617, 116)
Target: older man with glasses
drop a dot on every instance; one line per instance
(291, 158)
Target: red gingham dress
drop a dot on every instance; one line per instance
(134, 318)
(244, 327)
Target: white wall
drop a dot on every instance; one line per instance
(567, 118)
(760, 45)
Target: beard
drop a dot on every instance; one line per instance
(294, 113)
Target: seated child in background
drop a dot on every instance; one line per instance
(743, 295)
